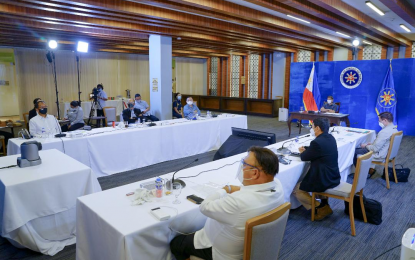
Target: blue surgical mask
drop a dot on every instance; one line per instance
(179, 97)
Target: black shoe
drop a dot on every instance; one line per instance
(371, 174)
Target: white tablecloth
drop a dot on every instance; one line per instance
(110, 228)
(86, 106)
(37, 204)
(110, 150)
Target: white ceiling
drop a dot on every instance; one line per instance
(390, 19)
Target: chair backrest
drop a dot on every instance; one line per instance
(264, 234)
(26, 118)
(394, 145)
(362, 170)
(338, 106)
(110, 114)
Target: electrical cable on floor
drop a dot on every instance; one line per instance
(386, 252)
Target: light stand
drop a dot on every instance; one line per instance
(51, 58)
(79, 79)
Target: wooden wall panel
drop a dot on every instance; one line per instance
(271, 60)
(209, 67)
(287, 80)
(266, 76)
(383, 52)
(321, 56)
(408, 52)
(360, 55)
(295, 57)
(349, 54)
(330, 55)
(313, 56)
(260, 81)
(241, 74)
(246, 75)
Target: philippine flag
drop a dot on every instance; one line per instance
(311, 95)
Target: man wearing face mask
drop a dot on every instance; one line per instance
(329, 106)
(102, 97)
(380, 146)
(190, 110)
(228, 209)
(324, 169)
(43, 123)
(177, 106)
(132, 114)
(75, 115)
(144, 108)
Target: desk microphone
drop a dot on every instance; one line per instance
(178, 180)
(60, 130)
(282, 147)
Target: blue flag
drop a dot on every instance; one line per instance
(386, 100)
(316, 90)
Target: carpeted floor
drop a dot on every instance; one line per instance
(328, 239)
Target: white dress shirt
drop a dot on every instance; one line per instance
(227, 214)
(49, 123)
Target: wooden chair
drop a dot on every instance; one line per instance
(394, 145)
(346, 191)
(26, 120)
(3, 145)
(264, 234)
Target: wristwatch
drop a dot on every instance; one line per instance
(229, 188)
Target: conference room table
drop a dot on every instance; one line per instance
(110, 227)
(334, 118)
(86, 106)
(37, 204)
(112, 150)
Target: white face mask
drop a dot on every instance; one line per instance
(329, 101)
(179, 97)
(381, 124)
(312, 132)
(240, 174)
(190, 103)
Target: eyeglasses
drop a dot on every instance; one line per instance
(247, 164)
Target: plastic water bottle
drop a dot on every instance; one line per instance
(43, 132)
(208, 114)
(159, 187)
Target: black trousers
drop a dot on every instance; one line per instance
(7, 136)
(74, 127)
(359, 151)
(151, 118)
(183, 247)
(100, 112)
(175, 114)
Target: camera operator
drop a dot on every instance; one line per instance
(101, 98)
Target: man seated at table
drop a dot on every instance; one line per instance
(144, 108)
(324, 169)
(34, 111)
(329, 106)
(190, 110)
(380, 146)
(75, 115)
(132, 114)
(229, 208)
(44, 124)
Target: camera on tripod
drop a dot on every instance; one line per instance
(94, 94)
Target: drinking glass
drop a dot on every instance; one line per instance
(177, 189)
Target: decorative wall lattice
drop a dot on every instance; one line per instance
(235, 63)
(214, 76)
(253, 76)
(413, 50)
(372, 52)
(304, 56)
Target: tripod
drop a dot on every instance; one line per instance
(94, 103)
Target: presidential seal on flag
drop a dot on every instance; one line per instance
(351, 77)
(387, 98)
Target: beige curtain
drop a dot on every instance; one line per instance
(117, 72)
(190, 75)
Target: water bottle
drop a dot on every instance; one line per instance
(43, 132)
(159, 187)
(208, 114)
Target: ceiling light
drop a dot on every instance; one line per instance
(356, 42)
(53, 44)
(343, 34)
(298, 18)
(367, 42)
(82, 46)
(405, 28)
(179, 38)
(374, 8)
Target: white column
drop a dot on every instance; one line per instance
(278, 74)
(160, 76)
(340, 54)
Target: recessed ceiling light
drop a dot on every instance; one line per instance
(297, 18)
(348, 36)
(405, 28)
(367, 42)
(374, 8)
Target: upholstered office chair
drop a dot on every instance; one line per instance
(346, 191)
(110, 116)
(3, 145)
(394, 145)
(264, 234)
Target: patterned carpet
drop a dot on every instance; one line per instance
(328, 239)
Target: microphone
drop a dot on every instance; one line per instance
(60, 130)
(178, 180)
(282, 147)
